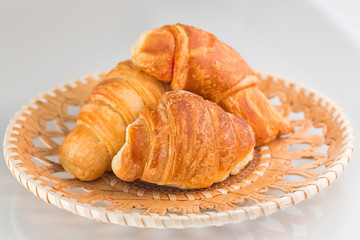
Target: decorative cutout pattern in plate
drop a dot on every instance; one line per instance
(286, 171)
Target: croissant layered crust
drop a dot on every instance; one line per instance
(252, 105)
(99, 134)
(196, 61)
(184, 141)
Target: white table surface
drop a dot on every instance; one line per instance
(316, 43)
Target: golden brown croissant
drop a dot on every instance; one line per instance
(184, 141)
(196, 61)
(88, 149)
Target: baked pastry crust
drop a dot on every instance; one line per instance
(196, 61)
(99, 134)
(184, 141)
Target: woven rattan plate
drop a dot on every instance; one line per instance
(285, 172)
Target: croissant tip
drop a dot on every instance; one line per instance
(83, 174)
(116, 161)
(83, 155)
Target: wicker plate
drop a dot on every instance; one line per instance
(285, 172)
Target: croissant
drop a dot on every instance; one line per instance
(100, 129)
(196, 61)
(184, 141)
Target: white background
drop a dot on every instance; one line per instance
(316, 43)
